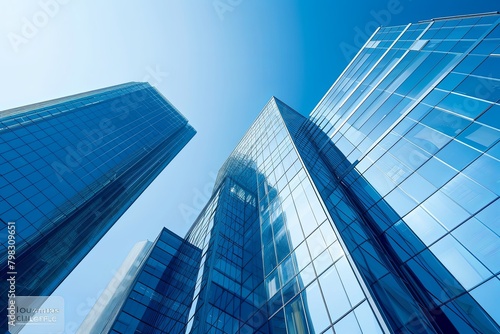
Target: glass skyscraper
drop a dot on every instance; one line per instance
(377, 214)
(154, 289)
(112, 297)
(71, 167)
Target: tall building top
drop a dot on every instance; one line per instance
(464, 16)
(20, 115)
(93, 94)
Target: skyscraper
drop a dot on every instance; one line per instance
(71, 167)
(377, 214)
(154, 289)
(111, 299)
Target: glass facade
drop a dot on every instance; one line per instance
(411, 133)
(112, 298)
(158, 297)
(71, 167)
(377, 213)
(269, 258)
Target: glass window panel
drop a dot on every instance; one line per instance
(424, 226)
(273, 283)
(429, 78)
(436, 172)
(485, 47)
(411, 155)
(316, 243)
(469, 64)
(351, 284)
(462, 46)
(328, 233)
(480, 241)
(333, 291)
(313, 199)
(287, 270)
(416, 76)
(487, 295)
(470, 309)
(315, 308)
(485, 170)
(380, 181)
(446, 211)
(277, 323)
(306, 276)
(322, 262)
(400, 201)
(267, 232)
(400, 130)
(489, 68)
(479, 136)
(336, 251)
(495, 33)
(467, 193)
(269, 257)
(290, 290)
(490, 117)
(295, 317)
(444, 122)
(483, 88)
(457, 154)
(306, 216)
(348, 325)
(302, 256)
(282, 245)
(367, 320)
(427, 138)
(292, 222)
(464, 105)
(489, 216)
(417, 187)
(466, 269)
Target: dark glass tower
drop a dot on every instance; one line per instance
(377, 214)
(156, 290)
(71, 167)
(114, 295)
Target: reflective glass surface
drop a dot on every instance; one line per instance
(70, 169)
(378, 213)
(411, 131)
(158, 300)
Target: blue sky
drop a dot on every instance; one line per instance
(217, 61)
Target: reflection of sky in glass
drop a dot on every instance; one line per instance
(217, 72)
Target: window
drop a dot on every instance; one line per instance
(418, 45)
(315, 308)
(460, 262)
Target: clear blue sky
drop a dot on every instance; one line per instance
(217, 63)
